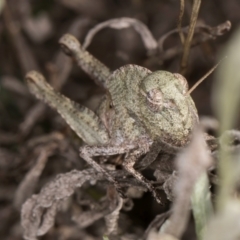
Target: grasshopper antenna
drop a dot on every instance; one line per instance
(204, 77)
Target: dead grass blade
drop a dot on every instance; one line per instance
(188, 41)
(225, 223)
(226, 101)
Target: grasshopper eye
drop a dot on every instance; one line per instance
(155, 97)
(183, 82)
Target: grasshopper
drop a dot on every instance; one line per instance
(143, 112)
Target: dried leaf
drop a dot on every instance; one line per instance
(112, 218)
(38, 212)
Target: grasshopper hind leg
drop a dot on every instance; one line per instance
(84, 122)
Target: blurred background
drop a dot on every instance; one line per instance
(29, 34)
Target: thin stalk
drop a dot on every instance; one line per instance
(188, 41)
(179, 26)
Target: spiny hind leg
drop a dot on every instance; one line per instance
(128, 164)
(88, 152)
(84, 122)
(149, 158)
(88, 63)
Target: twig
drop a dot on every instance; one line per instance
(188, 41)
(181, 13)
(202, 34)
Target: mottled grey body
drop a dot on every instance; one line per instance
(143, 112)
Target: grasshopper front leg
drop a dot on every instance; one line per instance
(88, 152)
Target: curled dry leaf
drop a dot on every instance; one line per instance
(119, 23)
(38, 212)
(112, 218)
(98, 210)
